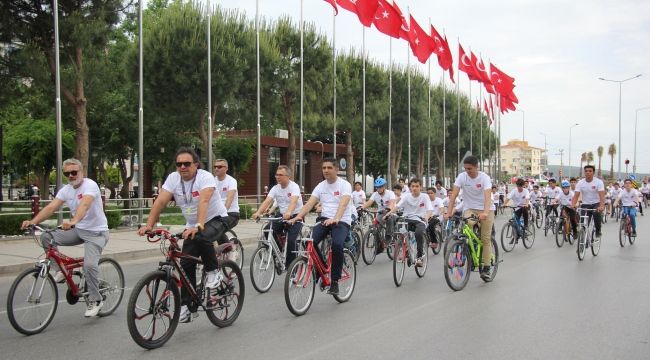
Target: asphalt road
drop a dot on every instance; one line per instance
(544, 304)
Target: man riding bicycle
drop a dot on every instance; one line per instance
(519, 198)
(88, 226)
(385, 200)
(565, 198)
(593, 196)
(629, 198)
(437, 215)
(227, 189)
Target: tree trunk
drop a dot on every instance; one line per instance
(600, 158)
(81, 133)
(203, 135)
(126, 180)
(611, 170)
(349, 170)
(419, 167)
(395, 159)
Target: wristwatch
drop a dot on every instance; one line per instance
(200, 226)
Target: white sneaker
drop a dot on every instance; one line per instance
(213, 278)
(233, 255)
(186, 315)
(59, 277)
(419, 262)
(93, 308)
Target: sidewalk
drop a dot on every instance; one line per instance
(17, 254)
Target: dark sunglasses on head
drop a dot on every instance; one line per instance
(183, 163)
(219, 166)
(68, 173)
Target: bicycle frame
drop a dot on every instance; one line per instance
(269, 240)
(314, 261)
(474, 251)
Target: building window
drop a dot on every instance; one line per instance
(274, 155)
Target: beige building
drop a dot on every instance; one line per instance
(520, 159)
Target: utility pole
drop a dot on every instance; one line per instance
(561, 153)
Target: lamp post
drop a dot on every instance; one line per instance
(620, 85)
(570, 128)
(635, 121)
(322, 153)
(545, 150)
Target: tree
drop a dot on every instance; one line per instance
(600, 151)
(611, 151)
(583, 158)
(590, 157)
(238, 152)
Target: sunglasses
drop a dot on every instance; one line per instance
(183, 164)
(219, 166)
(68, 173)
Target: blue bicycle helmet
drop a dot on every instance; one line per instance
(565, 184)
(380, 182)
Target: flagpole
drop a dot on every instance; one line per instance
(334, 76)
(140, 116)
(408, 72)
(390, 106)
(480, 100)
(209, 147)
(429, 127)
(259, 112)
(471, 125)
(302, 95)
(499, 141)
(57, 101)
(444, 128)
(363, 135)
(458, 110)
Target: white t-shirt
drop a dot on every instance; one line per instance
(495, 197)
(629, 198)
(223, 186)
(415, 206)
(282, 196)
(186, 194)
(441, 193)
(95, 220)
(473, 189)
(534, 195)
(502, 190)
(645, 188)
(614, 193)
(437, 206)
(358, 198)
(552, 193)
(565, 199)
(589, 190)
(382, 199)
(518, 197)
(330, 197)
(405, 189)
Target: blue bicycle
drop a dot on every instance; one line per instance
(514, 230)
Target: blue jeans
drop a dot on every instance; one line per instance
(339, 232)
(630, 210)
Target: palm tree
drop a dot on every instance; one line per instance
(583, 158)
(600, 151)
(590, 157)
(611, 151)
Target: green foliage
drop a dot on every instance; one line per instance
(238, 151)
(246, 211)
(114, 218)
(10, 224)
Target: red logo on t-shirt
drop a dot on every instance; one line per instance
(478, 186)
(336, 193)
(593, 187)
(195, 193)
(288, 194)
(421, 204)
(224, 189)
(79, 196)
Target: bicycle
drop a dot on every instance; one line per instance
(308, 268)
(365, 220)
(564, 232)
(537, 215)
(237, 255)
(354, 239)
(586, 234)
(616, 212)
(155, 305)
(514, 229)
(625, 230)
(550, 221)
(405, 251)
(33, 297)
(374, 239)
(463, 254)
(436, 247)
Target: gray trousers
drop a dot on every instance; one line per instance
(94, 242)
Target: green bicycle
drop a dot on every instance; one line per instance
(463, 254)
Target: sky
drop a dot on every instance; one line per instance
(556, 50)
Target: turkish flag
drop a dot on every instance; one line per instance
(333, 3)
(479, 67)
(365, 9)
(441, 49)
(465, 64)
(506, 104)
(487, 111)
(503, 83)
(420, 42)
(389, 19)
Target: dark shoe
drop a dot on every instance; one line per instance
(380, 248)
(599, 235)
(334, 288)
(633, 233)
(485, 273)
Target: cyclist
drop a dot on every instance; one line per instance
(286, 194)
(227, 188)
(417, 211)
(592, 191)
(535, 198)
(519, 198)
(334, 194)
(397, 190)
(495, 199)
(565, 198)
(402, 184)
(552, 192)
(194, 190)
(437, 215)
(476, 186)
(573, 181)
(358, 195)
(441, 192)
(629, 198)
(645, 189)
(613, 196)
(385, 200)
(88, 226)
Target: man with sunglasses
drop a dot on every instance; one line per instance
(227, 189)
(194, 190)
(88, 226)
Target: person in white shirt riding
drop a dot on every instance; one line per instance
(358, 195)
(227, 189)
(385, 201)
(495, 199)
(613, 196)
(437, 215)
(552, 192)
(592, 191)
(629, 199)
(441, 192)
(565, 199)
(519, 197)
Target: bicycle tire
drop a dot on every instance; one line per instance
(111, 286)
(495, 260)
(161, 306)
(529, 239)
(457, 267)
(622, 233)
(399, 261)
(16, 309)
(357, 236)
(508, 237)
(539, 220)
(299, 273)
(346, 287)
(230, 291)
(581, 247)
(237, 255)
(438, 231)
(421, 270)
(369, 247)
(560, 236)
(390, 247)
(262, 269)
(547, 223)
(631, 238)
(595, 244)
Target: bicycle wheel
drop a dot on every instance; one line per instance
(529, 239)
(508, 237)
(369, 247)
(226, 301)
(568, 230)
(32, 301)
(262, 269)
(547, 224)
(421, 270)
(390, 246)
(399, 261)
(237, 253)
(539, 220)
(456, 264)
(622, 232)
(631, 238)
(357, 236)
(595, 244)
(153, 310)
(560, 237)
(494, 262)
(582, 243)
(299, 286)
(348, 278)
(604, 216)
(111, 285)
(438, 246)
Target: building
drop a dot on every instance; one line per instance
(520, 159)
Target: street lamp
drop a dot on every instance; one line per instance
(545, 150)
(523, 125)
(620, 83)
(570, 128)
(635, 120)
(322, 154)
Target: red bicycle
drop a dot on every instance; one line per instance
(308, 268)
(154, 306)
(33, 296)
